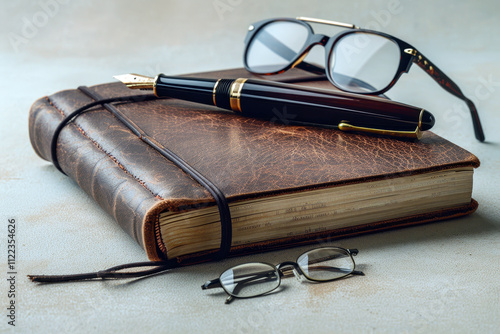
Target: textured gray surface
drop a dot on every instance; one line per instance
(441, 277)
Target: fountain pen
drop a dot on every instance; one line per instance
(292, 104)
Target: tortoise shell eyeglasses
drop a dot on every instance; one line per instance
(356, 60)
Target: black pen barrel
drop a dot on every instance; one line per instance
(198, 90)
(295, 104)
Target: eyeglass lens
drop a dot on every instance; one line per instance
(364, 57)
(360, 62)
(250, 279)
(324, 264)
(275, 46)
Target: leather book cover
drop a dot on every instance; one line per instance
(246, 158)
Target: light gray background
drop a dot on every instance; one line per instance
(441, 277)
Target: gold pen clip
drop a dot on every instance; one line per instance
(417, 134)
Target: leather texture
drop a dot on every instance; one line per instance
(244, 157)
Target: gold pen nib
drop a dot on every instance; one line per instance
(136, 81)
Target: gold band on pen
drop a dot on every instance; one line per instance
(154, 85)
(235, 94)
(213, 92)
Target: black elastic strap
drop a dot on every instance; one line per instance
(217, 194)
(220, 199)
(119, 272)
(71, 117)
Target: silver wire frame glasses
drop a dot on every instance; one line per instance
(254, 279)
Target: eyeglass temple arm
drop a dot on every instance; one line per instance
(217, 284)
(444, 81)
(267, 276)
(250, 280)
(289, 273)
(212, 284)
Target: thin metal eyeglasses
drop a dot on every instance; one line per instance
(358, 61)
(258, 278)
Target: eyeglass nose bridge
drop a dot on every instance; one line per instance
(320, 39)
(315, 39)
(295, 266)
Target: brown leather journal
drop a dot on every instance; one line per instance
(297, 184)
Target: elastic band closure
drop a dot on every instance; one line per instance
(217, 194)
(71, 117)
(141, 270)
